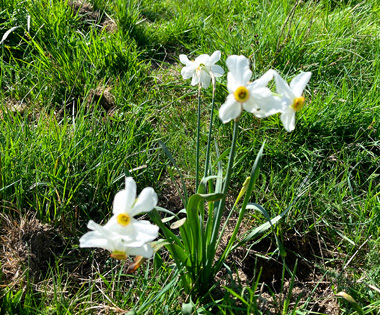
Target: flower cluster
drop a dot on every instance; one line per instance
(254, 97)
(201, 69)
(123, 235)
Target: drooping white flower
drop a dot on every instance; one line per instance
(126, 206)
(102, 237)
(254, 97)
(291, 97)
(199, 69)
(122, 233)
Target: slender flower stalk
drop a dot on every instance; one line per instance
(198, 137)
(210, 128)
(202, 70)
(247, 188)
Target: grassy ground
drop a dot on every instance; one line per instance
(88, 88)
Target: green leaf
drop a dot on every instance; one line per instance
(267, 225)
(203, 184)
(211, 197)
(160, 209)
(170, 236)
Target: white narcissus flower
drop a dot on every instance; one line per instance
(254, 97)
(122, 233)
(291, 97)
(199, 69)
(102, 237)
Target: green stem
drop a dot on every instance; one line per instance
(198, 135)
(253, 177)
(210, 129)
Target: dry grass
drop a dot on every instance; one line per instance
(28, 248)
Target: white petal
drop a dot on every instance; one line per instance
(239, 67)
(245, 77)
(95, 227)
(145, 202)
(103, 238)
(273, 105)
(237, 64)
(217, 71)
(144, 230)
(202, 59)
(94, 239)
(264, 79)
(231, 109)
(232, 84)
(188, 71)
(298, 84)
(205, 79)
(184, 59)
(262, 103)
(283, 88)
(195, 79)
(145, 251)
(129, 234)
(130, 185)
(214, 58)
(288, 119)
(124, 199)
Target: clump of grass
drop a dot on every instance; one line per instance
(63, 156)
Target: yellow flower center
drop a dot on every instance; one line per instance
(241, 94)
(298, 103)
(123, 219)
(119, 255)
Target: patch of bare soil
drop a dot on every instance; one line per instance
(28, 249)
(14, 107)
(103, 97)
(170, 197)
(88, 16)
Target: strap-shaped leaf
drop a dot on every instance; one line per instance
(175, 246)
(210, 197)
(194, 223)
(169, 235)
(168, 219)
(267, 225)
(156, 245)
(160, 209)
(203, 184)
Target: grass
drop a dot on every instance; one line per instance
(64, 152)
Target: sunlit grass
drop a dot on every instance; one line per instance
(63, 156)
